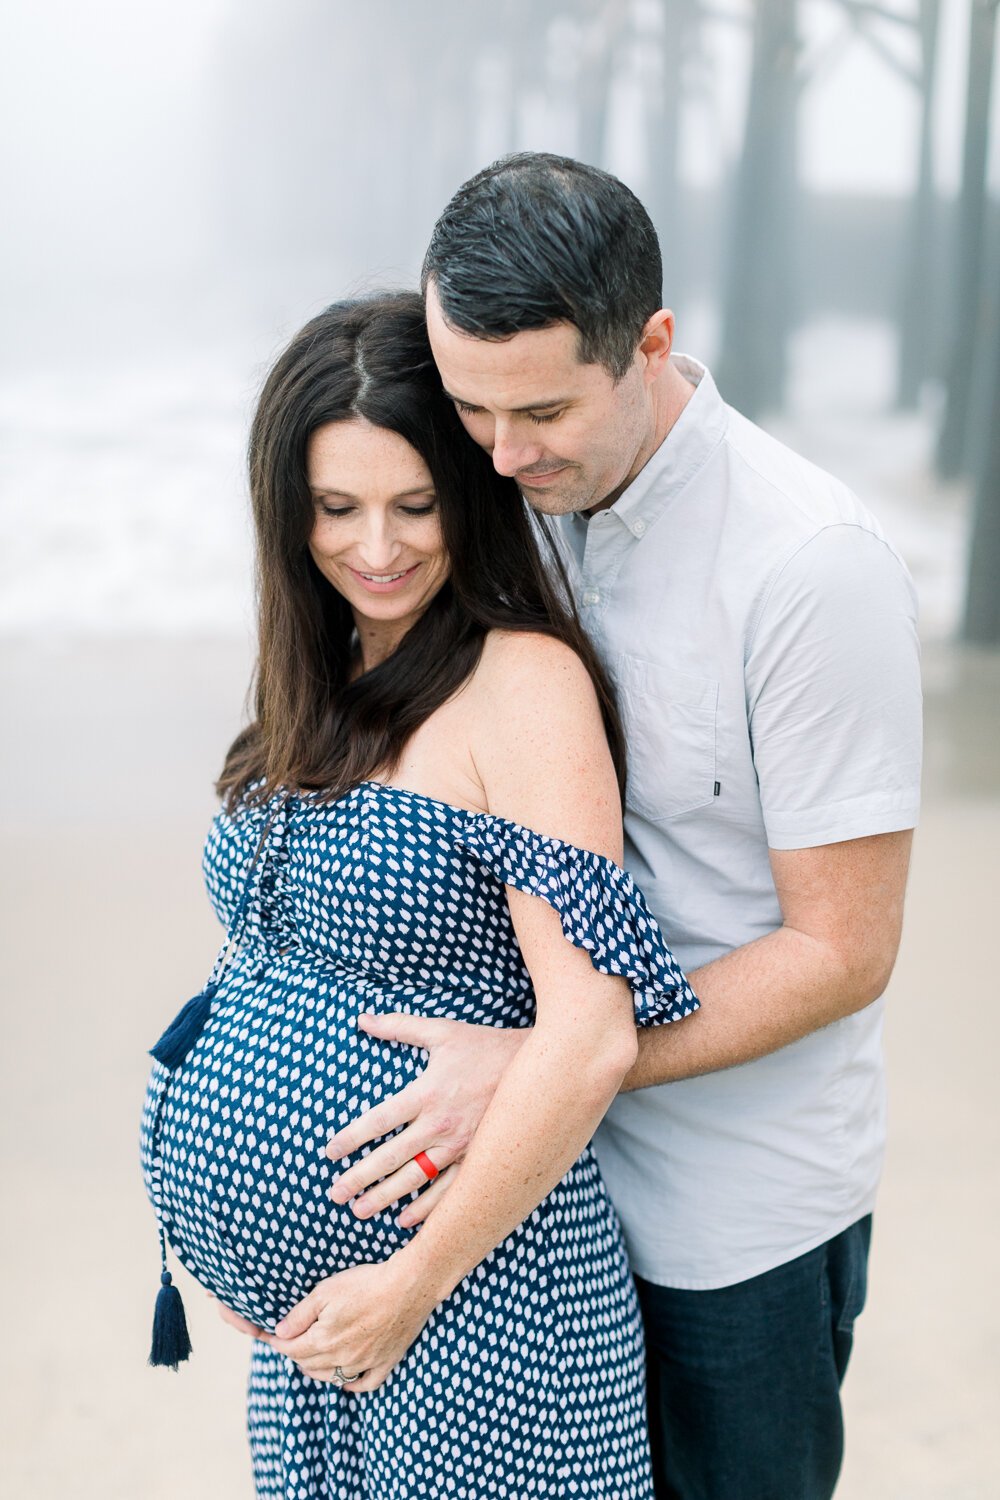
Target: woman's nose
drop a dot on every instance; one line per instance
(379, 544)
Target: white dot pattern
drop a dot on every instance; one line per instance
(528, 1380)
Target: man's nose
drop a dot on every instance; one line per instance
(513, 448)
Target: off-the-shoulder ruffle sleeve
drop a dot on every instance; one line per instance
(598, 904)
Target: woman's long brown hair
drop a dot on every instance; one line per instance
(313, 727)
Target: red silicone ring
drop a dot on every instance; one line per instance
(425, 1164)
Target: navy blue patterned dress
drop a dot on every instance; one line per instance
(528, 1380)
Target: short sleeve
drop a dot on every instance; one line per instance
(833, 693)
(598, 905)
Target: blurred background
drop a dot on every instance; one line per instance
(184, 186)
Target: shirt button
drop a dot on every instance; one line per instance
(591, 596)
(639, 528)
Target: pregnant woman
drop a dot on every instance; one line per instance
(424, 815)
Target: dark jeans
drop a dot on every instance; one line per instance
(744, 1382)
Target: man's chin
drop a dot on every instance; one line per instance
(552, 502)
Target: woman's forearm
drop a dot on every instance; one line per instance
(548, 1104)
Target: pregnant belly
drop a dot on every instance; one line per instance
(232, 1142)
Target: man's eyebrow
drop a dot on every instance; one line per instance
(534, 406)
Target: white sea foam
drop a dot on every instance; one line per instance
(124, 506)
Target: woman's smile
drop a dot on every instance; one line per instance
(385, 583)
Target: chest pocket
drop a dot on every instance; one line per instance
(669, 719)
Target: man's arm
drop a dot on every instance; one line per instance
(833, 705)
(842, 910)
(842, 907)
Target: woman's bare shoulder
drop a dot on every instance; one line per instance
(539, 743)
(533, 662)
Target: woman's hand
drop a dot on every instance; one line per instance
(360, 1320)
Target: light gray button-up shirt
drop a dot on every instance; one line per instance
(762, 635)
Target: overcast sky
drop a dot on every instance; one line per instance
(109, 112)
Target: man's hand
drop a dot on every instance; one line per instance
(361, 1320)
(440, 1110)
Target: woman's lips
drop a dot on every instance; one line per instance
(372, 584)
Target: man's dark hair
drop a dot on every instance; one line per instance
(537, 239)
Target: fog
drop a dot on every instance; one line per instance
(185, 185)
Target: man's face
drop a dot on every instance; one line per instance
(569, 435)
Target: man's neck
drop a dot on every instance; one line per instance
(670, 396)
(675, 394)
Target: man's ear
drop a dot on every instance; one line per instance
(656, 342)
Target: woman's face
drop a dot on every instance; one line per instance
(376, 533)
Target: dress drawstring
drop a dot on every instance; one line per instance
(171, 1342)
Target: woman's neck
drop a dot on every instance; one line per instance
(375, 641)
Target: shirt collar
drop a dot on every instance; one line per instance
(693, 438)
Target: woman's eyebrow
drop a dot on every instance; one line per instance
(426, 489)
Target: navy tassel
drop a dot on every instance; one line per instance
(184, 1030)
(171, 1341)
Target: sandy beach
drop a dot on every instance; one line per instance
(109, 755)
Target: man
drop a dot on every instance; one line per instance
(762, 635)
